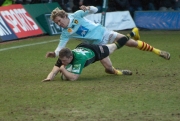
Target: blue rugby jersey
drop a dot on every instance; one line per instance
(81, 28)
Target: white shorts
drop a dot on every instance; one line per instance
(108, 37)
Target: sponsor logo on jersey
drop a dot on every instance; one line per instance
(76, 68)
(82, 31)
(69, 30)
(76, 21)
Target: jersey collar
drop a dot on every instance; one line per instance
(70, 21)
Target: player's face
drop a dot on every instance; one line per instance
(65, 61)
(62, 22)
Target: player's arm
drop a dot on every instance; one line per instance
(54, 71)
(87, 10)
(70, 76)
(52, 74)
(91, 9)
(62, 43)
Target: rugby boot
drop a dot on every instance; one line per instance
(136, 32)
(165, 55)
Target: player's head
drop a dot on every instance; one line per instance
(57, 12)
(60, 17)
(66, 56)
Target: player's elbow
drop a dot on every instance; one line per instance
(93, 9)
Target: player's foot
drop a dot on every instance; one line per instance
(136, 32)
(165, 55)
(123, 72)
(126, 72)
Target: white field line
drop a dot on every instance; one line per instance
(38, 43)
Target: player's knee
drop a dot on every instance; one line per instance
(122, 41)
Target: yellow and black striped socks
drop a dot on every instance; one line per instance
(146, 47)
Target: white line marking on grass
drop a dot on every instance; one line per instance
(38, 43)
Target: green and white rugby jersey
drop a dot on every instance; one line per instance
(82, 57)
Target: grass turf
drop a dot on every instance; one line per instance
(152, 93)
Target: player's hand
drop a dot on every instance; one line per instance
(50, 54)
(45, 80)
(84, 8)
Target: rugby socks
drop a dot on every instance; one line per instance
(141, 45)
(114, 71)
(121, 42)
(117, 72)
(146, 47)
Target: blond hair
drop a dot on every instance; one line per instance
(57, 12)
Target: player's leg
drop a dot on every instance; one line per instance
(110, 36)
(106, 62)
(102, 54)
(144, 46)
(112, 47)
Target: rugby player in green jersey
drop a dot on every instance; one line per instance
(82, 56)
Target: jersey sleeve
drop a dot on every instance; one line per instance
(62, 43)
(82, 13)
(58, 63)
(93, 9)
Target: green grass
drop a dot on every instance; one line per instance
(152, 93)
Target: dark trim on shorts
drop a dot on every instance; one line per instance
(100, 51)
